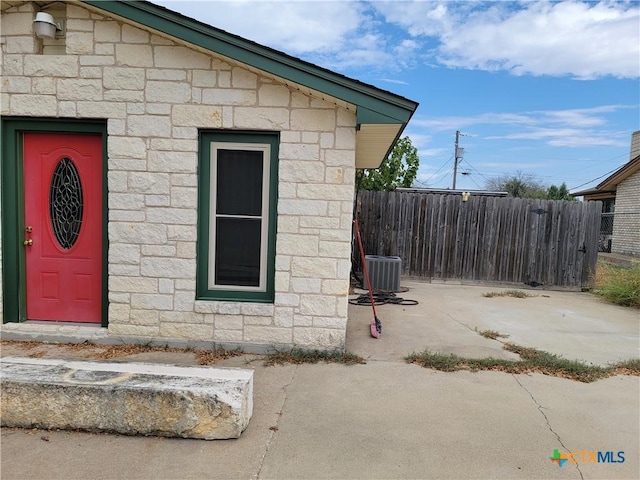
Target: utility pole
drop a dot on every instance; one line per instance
(456, 156)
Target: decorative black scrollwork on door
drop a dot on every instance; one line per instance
(65, 203)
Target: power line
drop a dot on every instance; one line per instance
(419, 184)
(596, 164)
(475, 169)
(424, 183)
(469, 173)
(441, 166)
(559, 177)
(442, 177)
(598, 178)
(559, 158)
(476, 183)
(563, 177)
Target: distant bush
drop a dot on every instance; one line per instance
(618, 285)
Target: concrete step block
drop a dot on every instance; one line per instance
(128, 398)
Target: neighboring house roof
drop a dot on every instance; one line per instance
(588, 191)
(610, 184)
(446, 191)
(381, 115)
(595, 194)
(608, 187)
(620, 175)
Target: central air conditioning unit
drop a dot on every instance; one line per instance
(384, 272)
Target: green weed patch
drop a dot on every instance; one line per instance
(531, 361)
(299, 356)
(618, 285)
(508, 293)
(492, 334)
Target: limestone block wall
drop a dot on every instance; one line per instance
(626, 223)
(155, 95)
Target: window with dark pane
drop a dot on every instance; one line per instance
(238, 217)
(239, 182)
(66, 203)
(238, 251)
(237, 200)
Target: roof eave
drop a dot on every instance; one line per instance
(381, 115)
(381, 106)
(621, 174)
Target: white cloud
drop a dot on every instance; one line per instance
(581, 39)
(558, 128)
(420, 18)
(569, 137)
(512, 166)
(578, 39)
(433, 152)
(418, 138)
(406, 51)
(294, 27)
(592, 116)
(368, 49)
(457, 123)
(391, 80)
(584, 40)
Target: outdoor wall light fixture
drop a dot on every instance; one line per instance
(465, 196)
(44, 26)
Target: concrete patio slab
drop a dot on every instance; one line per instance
(408, 329)
(572, 324)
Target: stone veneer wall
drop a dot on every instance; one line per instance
(156, 94)
(626, 223)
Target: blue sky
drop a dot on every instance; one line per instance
(549, 89)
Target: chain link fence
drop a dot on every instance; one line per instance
(606, 232)
(626, 222)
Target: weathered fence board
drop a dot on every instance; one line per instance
(507, 240)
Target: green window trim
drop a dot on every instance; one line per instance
(205, 286)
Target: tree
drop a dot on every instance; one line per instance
(399, 169)
(520, 185)
(524, 185)
(559, 193)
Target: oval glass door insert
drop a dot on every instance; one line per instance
(65, 203)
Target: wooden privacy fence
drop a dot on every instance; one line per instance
(507, 240)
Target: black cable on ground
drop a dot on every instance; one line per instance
(381, 298)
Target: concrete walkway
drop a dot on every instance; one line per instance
(389, 419)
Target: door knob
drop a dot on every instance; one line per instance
(28, 243)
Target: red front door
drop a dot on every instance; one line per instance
(63, 226)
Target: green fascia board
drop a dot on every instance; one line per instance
(382, 106)
(366, 116)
